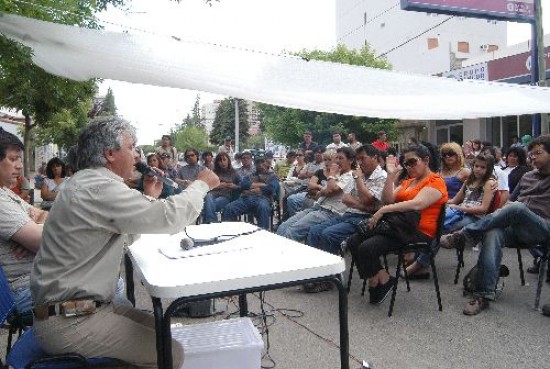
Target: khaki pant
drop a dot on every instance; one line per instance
(115, 331)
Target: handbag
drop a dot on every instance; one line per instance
(398, 225)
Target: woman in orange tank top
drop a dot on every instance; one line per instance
(424, 192)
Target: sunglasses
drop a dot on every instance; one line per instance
(448, 154)
(411, 163)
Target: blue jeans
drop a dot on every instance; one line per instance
(328, 235)
(294, 203)
(297, 227)
(212, 205)
(512, 225)
(259, 205)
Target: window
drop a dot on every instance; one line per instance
(433, 42)
(463, 47)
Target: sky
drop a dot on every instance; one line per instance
(262, 25)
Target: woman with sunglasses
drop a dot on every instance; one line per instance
(453, 171)
(424, 191)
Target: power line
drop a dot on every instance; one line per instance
(414, 38)
(368, 21)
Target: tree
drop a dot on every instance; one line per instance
(191, 137)
(224, 122)
(108, 107)
(287, 126)
(24, 86)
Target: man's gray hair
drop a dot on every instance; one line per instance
(104, 133)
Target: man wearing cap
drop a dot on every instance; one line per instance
(308, 145)
(168, 149)
(226, 147)
(257, 193)
(381, 141)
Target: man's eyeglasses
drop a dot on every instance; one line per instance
(448, 154)
(534, 154)
(411, 163)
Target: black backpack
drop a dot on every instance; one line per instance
(470, 280)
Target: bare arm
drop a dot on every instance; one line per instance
(29, 236)
(459, 197)
(47, 194)
(482, 209)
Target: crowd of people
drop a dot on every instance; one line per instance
(333, 197)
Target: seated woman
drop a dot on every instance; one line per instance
(425, 192)
(453, 171)
(207, 160)
(474, 198)
(154, 160)
(216, 200)
(56, 177)
(516, 166)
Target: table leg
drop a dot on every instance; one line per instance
(129, 268)
(159, 331)
(344, 332)
(243, 305)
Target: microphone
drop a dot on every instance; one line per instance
(186, 243)
(147, 170)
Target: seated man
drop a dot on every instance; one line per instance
(20, 224)
(524, 221)
(257, 193)
(95, 217)
(329, 203)
(364, 199)
(247, 166)
(188, 173)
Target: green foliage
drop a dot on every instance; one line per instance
(147, 148)
(64, 126)
(191, 137)
(224, 122)
(109, 107)
(42, 97)
(287, 126)
(256, 142)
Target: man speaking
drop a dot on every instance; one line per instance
(95, 217)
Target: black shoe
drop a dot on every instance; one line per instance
(535, 268)
(546, 309)
(379, 293)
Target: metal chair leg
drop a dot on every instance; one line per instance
(436, 282)
(542, 274)
(520, 262)
(460, 257)
(394, 289)
(350, 274)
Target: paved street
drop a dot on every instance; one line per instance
(303, 328)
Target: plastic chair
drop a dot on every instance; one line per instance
(9, 317)
(27, 354)
(411, 247)
(426, 247)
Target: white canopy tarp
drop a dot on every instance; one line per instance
(293, 82)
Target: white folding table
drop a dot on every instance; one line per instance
(259, 261)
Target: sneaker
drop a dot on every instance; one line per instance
(452, 241)
(316, 287)
(379, 293)
(476, 306)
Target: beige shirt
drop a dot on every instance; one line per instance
(14, 214)
(172, 152)
(85, 233)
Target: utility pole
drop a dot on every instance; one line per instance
(237, 125)
(543, 128)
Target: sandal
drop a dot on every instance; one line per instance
(476, 306)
